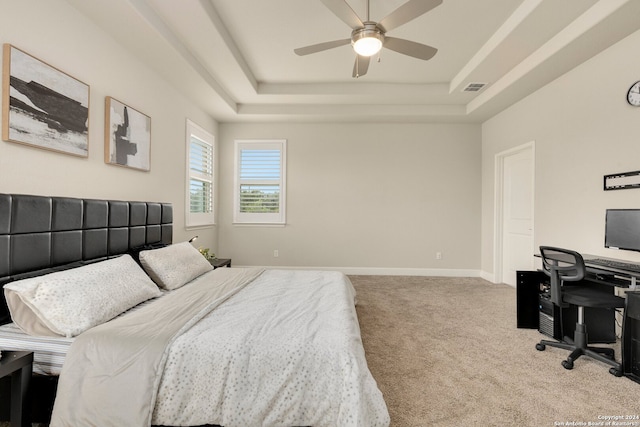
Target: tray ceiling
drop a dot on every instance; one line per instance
(235, 58)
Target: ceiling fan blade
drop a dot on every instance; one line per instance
(405, 13)
(343, 11)
(407, 47)
(361, 66)
(320, 47)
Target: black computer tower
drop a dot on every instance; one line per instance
(558, 323)
(529, 285)
(549, 317)
(631, 337)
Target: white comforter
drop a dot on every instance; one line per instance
(285, 350)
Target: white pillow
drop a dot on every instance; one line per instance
(71, 301)
(175, 265)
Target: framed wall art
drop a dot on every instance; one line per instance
(43, 106)
(127, 136)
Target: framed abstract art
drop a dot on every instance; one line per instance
(43, 106)
(127, 136)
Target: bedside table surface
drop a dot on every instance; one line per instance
(220, 262)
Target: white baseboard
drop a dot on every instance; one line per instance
(489, 277)
(375, 271)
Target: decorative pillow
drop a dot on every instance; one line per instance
(175, 265)
(71, 301)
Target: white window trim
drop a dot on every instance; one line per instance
(260, 218)
(193, 220)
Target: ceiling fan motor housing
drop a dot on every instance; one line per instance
(368, 40)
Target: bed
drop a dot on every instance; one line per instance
(190, 345)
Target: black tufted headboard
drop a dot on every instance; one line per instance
(39, 235)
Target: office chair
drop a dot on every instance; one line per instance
(564, 265)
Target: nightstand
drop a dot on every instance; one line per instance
(220, 262)
(19, 365)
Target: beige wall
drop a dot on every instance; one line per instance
(365, 198)
(57, 34)
(583, 129)
(362, 197)
(380, 198)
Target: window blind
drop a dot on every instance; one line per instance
(200, 197)
(201, 176)
(260, 181)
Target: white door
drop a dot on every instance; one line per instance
(517, 213)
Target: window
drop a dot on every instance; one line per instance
(260, 184)
(200, 184)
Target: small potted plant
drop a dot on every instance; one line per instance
(205, 253)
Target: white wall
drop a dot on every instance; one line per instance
(56, 33)
(365, 198)
(583, 129)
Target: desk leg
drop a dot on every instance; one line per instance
(19, 389)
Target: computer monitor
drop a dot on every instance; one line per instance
(622, 229)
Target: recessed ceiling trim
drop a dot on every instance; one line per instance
(359, 88)
(212, 13)
(584, 25)
(352, 110)
(223, 83)
(150, 15)
(516, 19)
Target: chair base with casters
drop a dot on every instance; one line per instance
(578, 346)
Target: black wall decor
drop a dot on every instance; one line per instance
(622, 181)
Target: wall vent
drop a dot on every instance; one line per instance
(474, 87)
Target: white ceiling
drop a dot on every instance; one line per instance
(235, 58)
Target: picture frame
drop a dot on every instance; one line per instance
(127, 134)
(622, 181)
(43, 106)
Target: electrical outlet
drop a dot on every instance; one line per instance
(438, 255)
(275, 253)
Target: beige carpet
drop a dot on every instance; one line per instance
(446, 352)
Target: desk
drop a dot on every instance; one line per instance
(616, 275)
(613, 275)
(600, 323)
(535, 310)
(18, 365)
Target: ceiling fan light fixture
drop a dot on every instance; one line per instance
(369, 37)
(367, 41)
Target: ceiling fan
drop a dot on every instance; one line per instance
(368, 37)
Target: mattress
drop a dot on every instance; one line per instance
(48, 352)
